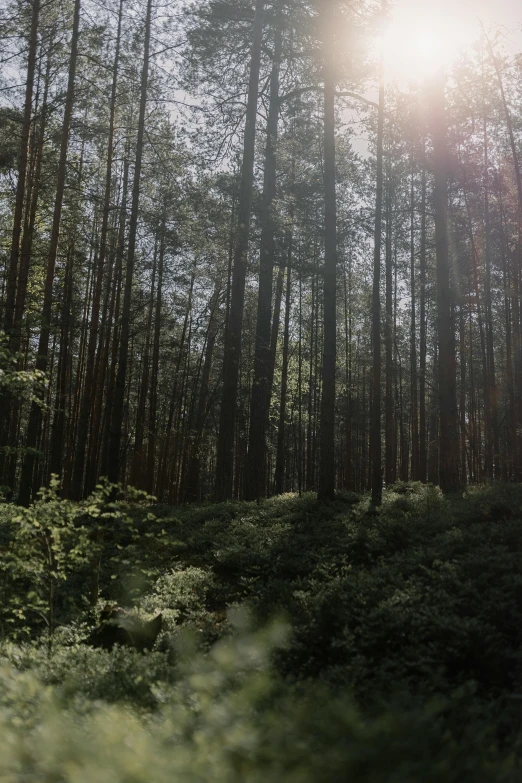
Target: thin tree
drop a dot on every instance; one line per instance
(375, 426)
(227, 418)
(327, 465)
(117, 413)
(447, 369)
(89, 388)
(259, 408)
(32, 443)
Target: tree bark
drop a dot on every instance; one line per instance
(194, 470)
(153, 403)
(280, 456)
(423, 446)
(117, 413)
(35, 416)
(89, 388)
(375, 427)
(259, 407)
(327, 464)
(12, 275)
(227, 418)
(448, 422)
(413, 339)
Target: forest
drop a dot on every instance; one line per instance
(260, 391)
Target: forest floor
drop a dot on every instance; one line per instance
(300, 641)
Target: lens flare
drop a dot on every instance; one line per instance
(415, 45)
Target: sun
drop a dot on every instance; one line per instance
(422, 38)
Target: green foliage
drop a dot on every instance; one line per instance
(403, 662)
(10, 132)
(53, 542)
(13, 380)
(229, 718)
(44, 547)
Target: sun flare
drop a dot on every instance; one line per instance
(416, 44)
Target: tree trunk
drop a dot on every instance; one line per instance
(389, 427)
(227, 418)
(153, 403)
(280, 457)
(375, 427)
(448, 422)
(58, 439)
(327, 465)
(413, 339)
(10, 414)
(89, 388)
(163, 470)
(423, 446)
(12, 275)
(138, 478)
(35, 416)
(116, 421)
(259, 408)
(194, 471)
(348, 475)
(101, 419)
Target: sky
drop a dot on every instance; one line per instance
(505, 12)
(423, 35)
(462, 17)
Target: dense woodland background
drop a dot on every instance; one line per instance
(237, 261)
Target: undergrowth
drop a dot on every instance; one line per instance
(396, 655)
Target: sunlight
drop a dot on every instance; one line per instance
(418, 42)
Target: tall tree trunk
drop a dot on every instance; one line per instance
(274, 332)
(413, 338)
(517, 413)
(327, 465)
(375, 426)
(493, 435)
(28, 235)
(309, 451)
(448, 422)
(462, 405)
(194, 471)
(138, 478)
(482, 332)
(107, 353)
(280, 456)
(423, 446)
(153, 403)
(300, 383)
(227, 418)
(10, 413)
(12, 274)
(35, 416)
(348, 475)
(389, 426)
(89, 388)
(163, 469)
(58, 426)
(117, 414)
(259, 408)
(433, 424)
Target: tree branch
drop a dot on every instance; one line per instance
(318, 88)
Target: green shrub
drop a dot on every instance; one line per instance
(230, 719)
(404, 662)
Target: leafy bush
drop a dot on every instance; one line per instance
(56, 541)
(230, 719)
(404, 661)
